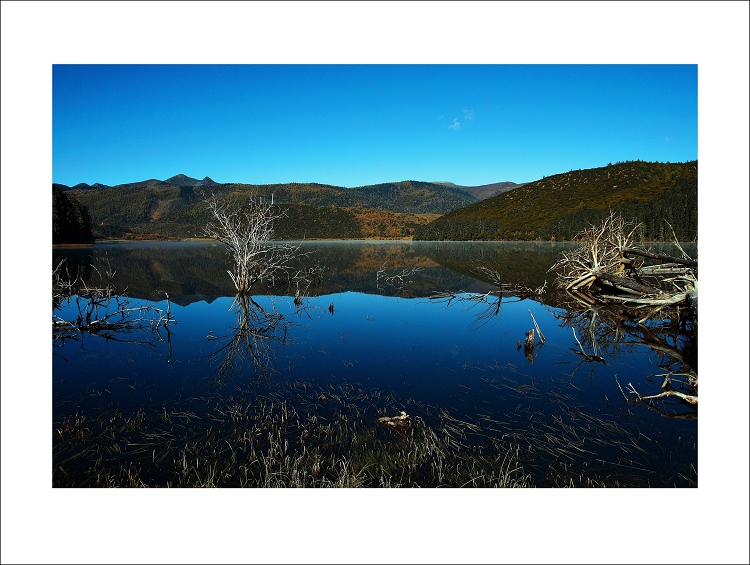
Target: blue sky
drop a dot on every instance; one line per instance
(354, 125)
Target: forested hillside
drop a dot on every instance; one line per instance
(408, 196)
(159, 210)
(561, 206)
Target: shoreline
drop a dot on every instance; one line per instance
(361, 240)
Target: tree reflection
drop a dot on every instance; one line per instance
(256, 337)
(87, 302)
(489, 304)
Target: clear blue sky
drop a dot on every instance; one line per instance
(354, 125)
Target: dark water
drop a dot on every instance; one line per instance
(374, 340)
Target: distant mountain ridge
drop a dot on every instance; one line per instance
(183, 180)
(484, 191)
(480, 192)
(177, 180)
(82, 186)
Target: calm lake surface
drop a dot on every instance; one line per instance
(390, 327)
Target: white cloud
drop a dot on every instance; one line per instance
(468, 114)
(667, 139)
(455, 125)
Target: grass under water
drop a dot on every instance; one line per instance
(268, 442)
(297, 434)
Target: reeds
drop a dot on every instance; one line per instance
(268, 443)
(281, 434)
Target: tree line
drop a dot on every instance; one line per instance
(71, 221)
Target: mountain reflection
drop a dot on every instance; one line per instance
(195, 271)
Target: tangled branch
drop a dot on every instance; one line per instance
(607, 266)
(600, 250)
(100, 308)
(246, 230)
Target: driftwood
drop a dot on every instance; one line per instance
(615, 294)
(626, 284)
(651, 406)
(689, 398)
(647, 301)
(538, 330)
(660, 257)
(607, 259)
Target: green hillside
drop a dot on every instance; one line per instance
(158, 210)
(560, 206)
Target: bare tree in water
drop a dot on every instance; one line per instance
(246, 228)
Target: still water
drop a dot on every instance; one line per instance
(390, 327)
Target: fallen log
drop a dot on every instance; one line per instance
(628, 285)
(585, 280)
(661, 257)
(674, 299)
(665, 269)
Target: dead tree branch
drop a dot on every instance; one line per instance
(607, 261)
(661, 257)
(539, 331)
(690, 399)
(245, 227)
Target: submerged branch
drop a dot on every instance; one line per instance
(689, 398)
(101, 308)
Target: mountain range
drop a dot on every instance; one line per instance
(479, 192)
(177, 180)
(555, 207)
(485, 190)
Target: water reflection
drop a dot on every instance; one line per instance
(87, 302)
(258, 333)
(195, 271)
(404, 332)
(610, 331)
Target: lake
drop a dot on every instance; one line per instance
(278, 392)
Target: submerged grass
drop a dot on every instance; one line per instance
(301, 434)
(272, 446)
(331, 439)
